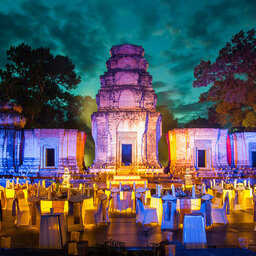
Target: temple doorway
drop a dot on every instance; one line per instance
(253, 158)
(201, 158)
(126, 154)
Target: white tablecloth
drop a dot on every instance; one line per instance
(53, 234)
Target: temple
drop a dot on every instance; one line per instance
(32, 152)
(206, 149)
(126, 128)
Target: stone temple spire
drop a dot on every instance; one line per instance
(126, 128)
(126, 84)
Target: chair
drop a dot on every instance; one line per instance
(74, 219)
(170, 217)
(9, 195)
(21, 211)
(3, 198)
(207, 219)
(206, 209)
(240, 201)
(121, 204)
(35, 213)
(218, 200)
(194, 235)
(89, 217)
(219, 215)
(101, 215)
(146, 215)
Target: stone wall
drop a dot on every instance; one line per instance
(222, 150)
(68, 145)
(111, 129)
(10, 150)
(23, 151)
(242, 145)
(185, 143)
(126, 111)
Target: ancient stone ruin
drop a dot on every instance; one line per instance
(126, 128)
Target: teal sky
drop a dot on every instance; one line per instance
(176, 35)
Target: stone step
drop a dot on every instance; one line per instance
(126, 170)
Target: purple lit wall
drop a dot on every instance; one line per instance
(32, 151)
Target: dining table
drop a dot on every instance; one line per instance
(126, 201)
(53, 232)
(60, 205)
(185, 205)
(86, 206)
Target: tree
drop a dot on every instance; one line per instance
(197, 123)
(168, 123)
(232, 78)
(42, 84)
(89, 106)
(209, 122)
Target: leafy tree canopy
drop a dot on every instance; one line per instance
(42, 84)
(232, 78)
(198, 123)
(168, 123)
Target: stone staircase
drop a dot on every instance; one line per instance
(206, 174)
(126, 170)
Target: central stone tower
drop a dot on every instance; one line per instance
(126, 128)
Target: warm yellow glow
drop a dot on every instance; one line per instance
(126, 177)
(133, 195)
(47, 204)
(127, 182)
(107, 192)
(87, 204)
(156, 202)
(10, 193)
(121, 195)
(148, 194)
(172, 147)
(195, 204)
(25, 191)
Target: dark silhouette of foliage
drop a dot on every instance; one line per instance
(198, 123)
(168, 123)
(42, 84)
(232, 78)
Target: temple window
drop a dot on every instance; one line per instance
(253, 158)
(49, 157)
(201, 158)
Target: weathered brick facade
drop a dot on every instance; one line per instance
(210, 148)
(126, 112)
(25, 151)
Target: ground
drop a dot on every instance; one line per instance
(123, 228)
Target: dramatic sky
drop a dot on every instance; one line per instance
(175, 34)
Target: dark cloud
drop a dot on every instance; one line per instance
(186, 112)
(209, 23)
(176, 35)
(60, 28)
(159, 85)
(149, 20)
(152, 59)
(164, 98)
(182, 62)
(195, 107)
(171, 94)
